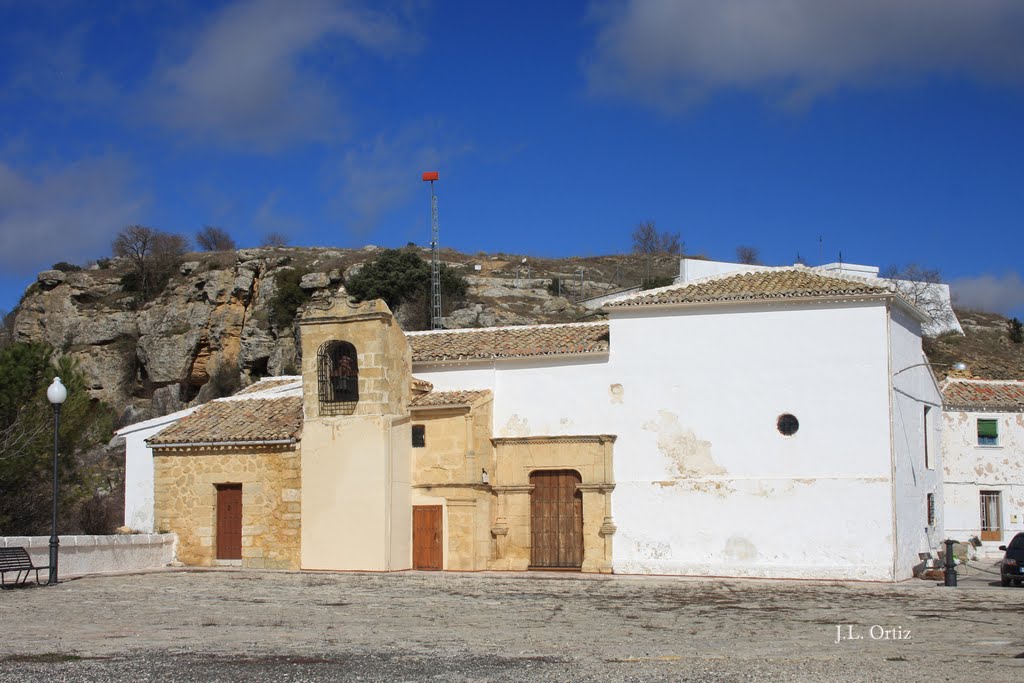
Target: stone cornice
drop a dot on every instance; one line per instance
(574, 438)
(520, 488)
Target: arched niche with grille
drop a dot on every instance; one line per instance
(338, 378)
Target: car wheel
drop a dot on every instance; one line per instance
(1005, 580)
(1016, 582)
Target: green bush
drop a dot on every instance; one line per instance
(26, 428)
(653, 282)
(66, 267)
(288, 297)
(402, 277)
(1016, 331)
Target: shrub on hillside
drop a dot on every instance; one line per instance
(402, 278)
(288, 297)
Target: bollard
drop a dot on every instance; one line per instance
(950, 567)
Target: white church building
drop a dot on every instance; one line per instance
(766, 422)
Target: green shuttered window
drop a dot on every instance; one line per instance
(988, 432)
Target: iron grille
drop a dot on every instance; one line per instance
(338, 378)
(990, 511)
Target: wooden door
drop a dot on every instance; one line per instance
(991, 516)
(426, 537)
(556, 520)
(229, 522)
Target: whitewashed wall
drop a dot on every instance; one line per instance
(913, 388)
(705, 483)
(79, 555)
(970, 469)
(138, 469)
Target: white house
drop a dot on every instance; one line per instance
(983, 460)
(138, 469)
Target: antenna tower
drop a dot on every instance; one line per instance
(435, 260)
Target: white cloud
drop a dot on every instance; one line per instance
(249, 77)
(1000, 294)
(383, 174)
(672, 53)
(268, 218)
(63, 214)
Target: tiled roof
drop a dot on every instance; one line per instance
(508, 342)
(437, 399)
(983, 394)
(225, 420)
(269, 410)
(776, 283)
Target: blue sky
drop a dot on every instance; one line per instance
(892, 131)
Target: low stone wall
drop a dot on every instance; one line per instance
(99, 554)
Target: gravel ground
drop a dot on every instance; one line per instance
(302, 626)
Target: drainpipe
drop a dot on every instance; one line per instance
(892, 443)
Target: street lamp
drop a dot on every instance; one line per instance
(57, 394)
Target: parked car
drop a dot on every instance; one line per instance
(1012, 566)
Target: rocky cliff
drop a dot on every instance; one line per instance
(212, 327)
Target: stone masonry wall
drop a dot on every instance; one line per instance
(185, 502)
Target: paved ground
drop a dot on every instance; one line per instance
(269, 626)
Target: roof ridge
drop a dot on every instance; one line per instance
(978, 380)
(291, 387)
(638, 297)
(460, 330)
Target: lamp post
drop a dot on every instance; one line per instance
(57, 394)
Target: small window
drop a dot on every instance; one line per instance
(787, 424)
(927, 427)
(931, 509)
(988, 432)
(419, 436)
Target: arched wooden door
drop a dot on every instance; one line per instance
(556, 520)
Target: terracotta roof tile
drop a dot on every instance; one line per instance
(437, 399)
(776, 283)
(267, 384)
(234, 420)
(1002, 395)
(508, 342)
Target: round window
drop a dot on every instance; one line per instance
(788, 424)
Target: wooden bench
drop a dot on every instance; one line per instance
(17, 560)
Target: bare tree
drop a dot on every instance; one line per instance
(275, 239)
(152, 254)
(648, 241)
(212, 238)
(922, 288)
(750, 256)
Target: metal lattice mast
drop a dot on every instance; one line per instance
(435, 259)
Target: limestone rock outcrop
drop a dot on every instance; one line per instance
(214, 322)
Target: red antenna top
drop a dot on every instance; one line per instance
(430, 175)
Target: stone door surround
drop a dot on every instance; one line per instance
(516, 458)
